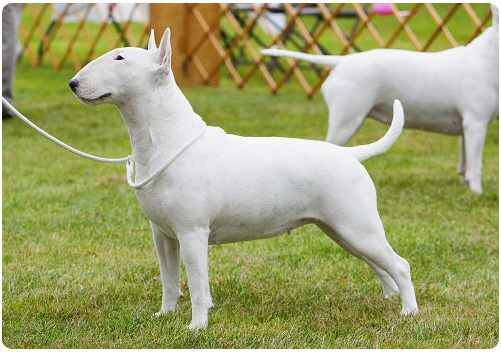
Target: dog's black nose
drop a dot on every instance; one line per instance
(74, 84)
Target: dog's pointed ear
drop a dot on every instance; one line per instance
(152, 45)
(164, 52)
(495, 16)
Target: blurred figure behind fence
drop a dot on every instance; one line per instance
(11, 19)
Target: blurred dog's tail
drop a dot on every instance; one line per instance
(364, 152)
(325, 60)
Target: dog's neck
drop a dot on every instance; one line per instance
(159, 122)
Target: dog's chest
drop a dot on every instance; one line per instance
(157, 207)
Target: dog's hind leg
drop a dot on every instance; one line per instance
(356, 225)
(373, 247)
(170, 269)
(390, 288)
(195, 251)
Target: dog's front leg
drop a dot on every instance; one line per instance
(474, 133)
(170, 269)
(195, 252)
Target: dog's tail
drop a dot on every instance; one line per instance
(325, 60)
(364, 152)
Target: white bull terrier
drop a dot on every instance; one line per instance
(225, 188)
(454, 92)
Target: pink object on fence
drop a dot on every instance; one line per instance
(386, 9)
(383, 8)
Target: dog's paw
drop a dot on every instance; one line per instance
(389, 294)
(475, 188)
(199, 325)
(163, 312)
(408, 311)
(475, 184)
(390, 290)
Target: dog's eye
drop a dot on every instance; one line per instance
(119, 57)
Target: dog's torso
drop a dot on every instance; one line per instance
(437, 89)
(250, 187)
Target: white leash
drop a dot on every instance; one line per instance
(57, 141)
(129, 159)
(130, 162)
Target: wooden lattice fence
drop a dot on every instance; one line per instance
(74, 34)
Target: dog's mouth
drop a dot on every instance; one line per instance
(95, 100)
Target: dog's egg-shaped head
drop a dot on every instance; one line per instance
(123, 73)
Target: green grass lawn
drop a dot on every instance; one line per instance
(79, 261)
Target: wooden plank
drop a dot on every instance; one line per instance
(186, 33)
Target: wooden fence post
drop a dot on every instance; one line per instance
(186, 32)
